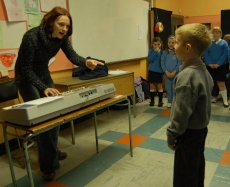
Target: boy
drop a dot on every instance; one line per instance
(191, 106)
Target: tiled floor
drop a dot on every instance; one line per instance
(151, 164)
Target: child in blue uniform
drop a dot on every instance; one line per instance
(227, 39)
(170, 66)
(215, 58)
(155, 71)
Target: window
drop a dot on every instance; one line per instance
(208, 25)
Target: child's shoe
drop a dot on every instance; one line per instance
(151, 103)
(214, 99)
(160, 104)
(49, 176)
(169, 105)
(229, 101)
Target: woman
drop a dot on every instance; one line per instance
(33, 79)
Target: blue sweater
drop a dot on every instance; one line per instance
(169, 61)
(154, 59)
(216, 53)
(228, 54)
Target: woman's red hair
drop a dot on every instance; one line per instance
(52, 15)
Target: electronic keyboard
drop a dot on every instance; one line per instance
(36, 111)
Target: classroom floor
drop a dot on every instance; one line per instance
(151, 164)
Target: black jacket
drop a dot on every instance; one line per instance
(85, 73)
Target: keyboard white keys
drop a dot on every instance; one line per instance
(36, 111)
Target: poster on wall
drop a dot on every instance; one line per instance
(34, 20)
(47, 5)
(31, 6)
(8, 59)
(15, 10)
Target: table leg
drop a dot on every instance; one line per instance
(9, 155)
(72, 132)
(27, 159)
(134, 103)
(95, 126)
(130, 129)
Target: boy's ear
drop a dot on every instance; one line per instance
(188, 47)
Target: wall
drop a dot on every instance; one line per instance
(196, 11)
(167, 5)
(213, 19)
(203, 7)
(194, 7)
(202, 12)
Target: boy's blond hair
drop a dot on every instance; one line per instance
(217, 29)
(227, 38)
(197, 35)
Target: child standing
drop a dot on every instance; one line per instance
(155, 71)
(227, 39)
(170, 66)
(215, 58)
(191, 107)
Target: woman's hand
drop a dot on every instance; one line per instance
(91, 64)
(51, 92)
